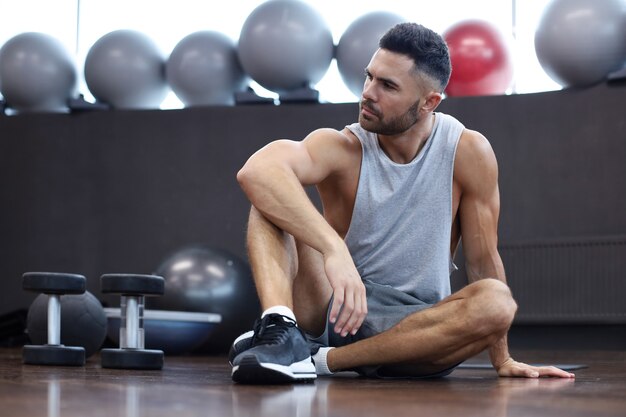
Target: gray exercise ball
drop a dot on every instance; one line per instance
(579, 42)
(285, 45)
(203, 278)
(38, 73)
(357, 45)
(126, 69)
(204, 69)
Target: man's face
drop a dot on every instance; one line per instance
(391, 94)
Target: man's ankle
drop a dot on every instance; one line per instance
(320, 359)
(279, 309)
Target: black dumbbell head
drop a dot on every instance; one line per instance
(54, 282)
(132, 358)
(132, 284)
(53, 355)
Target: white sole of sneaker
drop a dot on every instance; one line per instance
(250, 370)
(300, 370)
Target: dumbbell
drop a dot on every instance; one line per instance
(54, 284)
(131, 353)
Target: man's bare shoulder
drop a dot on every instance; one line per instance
(475, 160)
(341, 138)
(473, 143)
(332, 143)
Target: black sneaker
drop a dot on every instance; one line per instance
(277, 352)
(244, 342)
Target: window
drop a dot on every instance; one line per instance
(78, 24)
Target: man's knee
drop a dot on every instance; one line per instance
(492, 305)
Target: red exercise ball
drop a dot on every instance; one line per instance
(481, 63)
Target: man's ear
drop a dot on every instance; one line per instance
(432, 101)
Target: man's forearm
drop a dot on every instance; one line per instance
(499, 351)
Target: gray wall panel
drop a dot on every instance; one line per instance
(119, 190)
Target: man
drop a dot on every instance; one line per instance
(368, 280)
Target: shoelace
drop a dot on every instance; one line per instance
(271, 329)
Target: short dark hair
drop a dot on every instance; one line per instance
(425, 47)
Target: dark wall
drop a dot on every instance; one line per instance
(117, 191)
(562, 160)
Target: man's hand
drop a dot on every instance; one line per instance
(511, 368)
(349, 302)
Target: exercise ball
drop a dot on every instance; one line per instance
(579, 42)
(83, 321)
(357, 45)
(126, 69)
(201, 278)
(204, 69)
(480, 58)
(285, 45)
(37, 72)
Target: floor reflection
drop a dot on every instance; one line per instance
(149, 395)
(505, 397)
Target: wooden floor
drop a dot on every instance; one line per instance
(201, 386)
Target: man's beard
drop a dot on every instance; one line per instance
(392, 127)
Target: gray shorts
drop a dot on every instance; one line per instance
(386, 306)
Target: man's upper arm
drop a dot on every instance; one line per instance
(312, 160)
(476, 172)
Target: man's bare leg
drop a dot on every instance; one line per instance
(287, 273)
(278, 350)
(273, 260)
(435, 339)
(311, 290)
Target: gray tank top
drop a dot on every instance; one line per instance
(399, 234)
